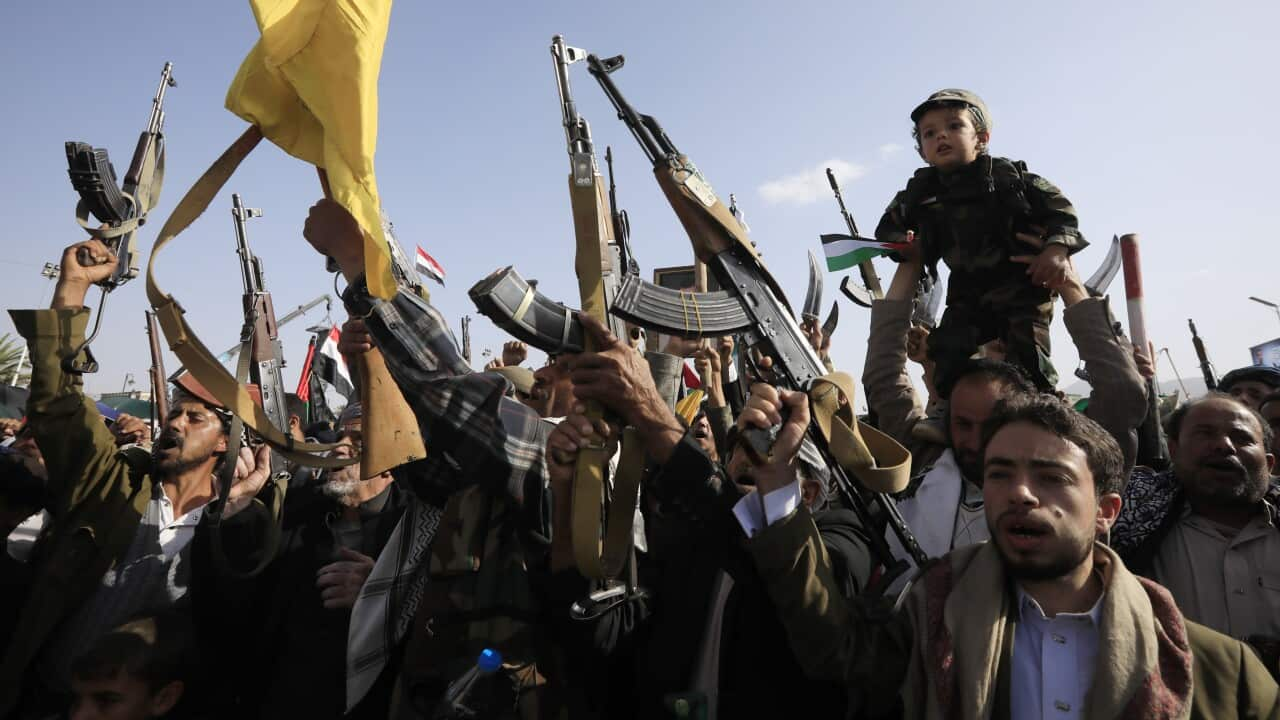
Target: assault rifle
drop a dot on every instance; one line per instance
(159, 386)
(260, 361)
(754, 307)
(870, 288)
(602, 260)
(123, 209)
(1206, 367)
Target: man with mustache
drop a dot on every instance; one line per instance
(1207, 529)
(1041, 622)
(118, 545)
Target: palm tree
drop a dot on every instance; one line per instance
(12, 351)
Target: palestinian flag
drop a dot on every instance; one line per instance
(328, 365)
(428, 266)
(845, 251)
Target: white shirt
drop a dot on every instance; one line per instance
(755, 514)
(1053, 661)
(175, 533)
(944, 513)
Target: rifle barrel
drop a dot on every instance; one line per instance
(1206, 367)
(600, 69)
(156, 121)
(250, 270)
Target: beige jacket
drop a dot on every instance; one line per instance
(946, 652)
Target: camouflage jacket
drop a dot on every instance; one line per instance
(968, 218)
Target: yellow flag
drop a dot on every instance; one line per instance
(311, 85)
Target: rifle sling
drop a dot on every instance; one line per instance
(601, 553)
(144, 197)
(213, 514)
(184, 343)
(857, 446)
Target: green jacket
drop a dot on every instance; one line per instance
(96, 498)
(947, 648)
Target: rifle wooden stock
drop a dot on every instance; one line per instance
(391, 434)
(390, 429)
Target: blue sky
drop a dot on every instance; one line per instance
(1154, 118)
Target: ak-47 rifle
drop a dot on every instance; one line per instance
(159, 385)
(870, 288)
(1206, 367)
(260, 361)
(121, 208)
(602, 260)
(755, 307)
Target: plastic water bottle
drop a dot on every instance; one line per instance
(489, 662)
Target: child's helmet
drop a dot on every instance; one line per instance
(954, 96)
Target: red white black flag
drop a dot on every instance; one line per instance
(428, 266)
(328, 365)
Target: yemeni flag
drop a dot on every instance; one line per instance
(328, 365)
(845, 251)
(428, 266)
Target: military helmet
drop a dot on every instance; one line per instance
(952, 96)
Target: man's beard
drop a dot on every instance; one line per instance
(1246, 492)
(340, 485)
(970, 464)
(170, 465)
(1052, 562)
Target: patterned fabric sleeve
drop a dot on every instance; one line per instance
(472, 432)
(1147, 498)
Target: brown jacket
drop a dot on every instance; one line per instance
(947, 648)
(1118, 401)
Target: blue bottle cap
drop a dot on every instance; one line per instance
(489, 660)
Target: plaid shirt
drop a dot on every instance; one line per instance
(474, 434)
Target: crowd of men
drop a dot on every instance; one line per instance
(1064, 580)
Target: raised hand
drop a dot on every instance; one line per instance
(253, 467)
(618, 378)
(333, 232)
(355, 338)
(129, 429)
(763, 410)
(514, 352)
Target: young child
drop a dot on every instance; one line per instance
(134, 672)
(969, 210)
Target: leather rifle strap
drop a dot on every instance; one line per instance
(184, 343)
(598, 552)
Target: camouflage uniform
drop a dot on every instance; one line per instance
(968, 219)
(478, 596)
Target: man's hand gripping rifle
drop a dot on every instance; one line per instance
(121, 209)
(602, 260)
(506, 298)
(755, 307)
(259, 363)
